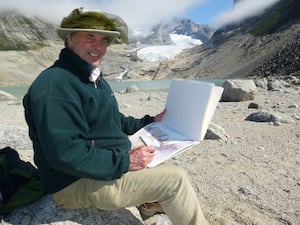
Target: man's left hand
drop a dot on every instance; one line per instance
(160, 116)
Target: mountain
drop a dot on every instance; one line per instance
(276, 17)
(262, 46)
(160, 34)
(144, 53)
(166, 40)
(18, 32)
(31, 45)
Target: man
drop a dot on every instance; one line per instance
(80, 142)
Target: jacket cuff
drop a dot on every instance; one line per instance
(148, 119)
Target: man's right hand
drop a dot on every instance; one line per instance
(140, 157)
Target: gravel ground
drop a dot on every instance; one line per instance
(253, 178)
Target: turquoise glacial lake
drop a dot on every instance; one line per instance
(117, 86)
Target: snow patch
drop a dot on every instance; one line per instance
(165, 52)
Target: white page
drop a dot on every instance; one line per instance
(190, 106)
(167, 143)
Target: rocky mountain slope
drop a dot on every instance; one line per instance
(18, 32)
(265, 45)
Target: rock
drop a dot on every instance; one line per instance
(296, 116)
(268, 117)
(216, 132)
(296, 81)
(132, 89)
(261, 117)
(46, 211)
(238, 90)
(245, 191)
(14, 137)
(275, 85)
(262, 83)
(253, 105)
(292, 79)
(295, 106)
(276, 123)
(4, 96)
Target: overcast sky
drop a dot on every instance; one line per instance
(241, 10)
(141, 14)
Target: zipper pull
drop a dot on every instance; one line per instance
(94, 76)
(95, 84)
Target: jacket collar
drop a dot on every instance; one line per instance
(74, 64)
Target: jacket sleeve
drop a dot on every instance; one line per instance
(130, 125)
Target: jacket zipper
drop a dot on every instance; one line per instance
(96, 83)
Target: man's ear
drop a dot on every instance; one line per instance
(68, 38)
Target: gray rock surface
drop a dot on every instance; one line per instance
(46, 211)
(238, 90)
(216, 132)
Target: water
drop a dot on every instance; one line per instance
(143, 85)
(17, 91)
(149, 85)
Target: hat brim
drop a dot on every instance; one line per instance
(63, 32)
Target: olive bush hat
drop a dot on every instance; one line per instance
(93, 21)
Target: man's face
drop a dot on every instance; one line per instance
(89, 46)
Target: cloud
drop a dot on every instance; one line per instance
(242, 10)
(139, 14)
(52, 11)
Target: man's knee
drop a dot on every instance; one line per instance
(174, 171)
(172, 177)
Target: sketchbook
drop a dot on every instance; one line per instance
(190, 107)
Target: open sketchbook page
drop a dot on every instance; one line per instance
(190, 106)
(166, 141)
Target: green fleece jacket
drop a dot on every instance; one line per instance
(76, 129)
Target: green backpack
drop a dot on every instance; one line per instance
(19, 182)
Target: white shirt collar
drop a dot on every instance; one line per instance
(94, 74)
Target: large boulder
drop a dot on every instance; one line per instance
(238, 90)
(5, 96)
(216, 132)
(15, 137)
(46, 211)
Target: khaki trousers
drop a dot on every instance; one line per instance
(166, 183)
